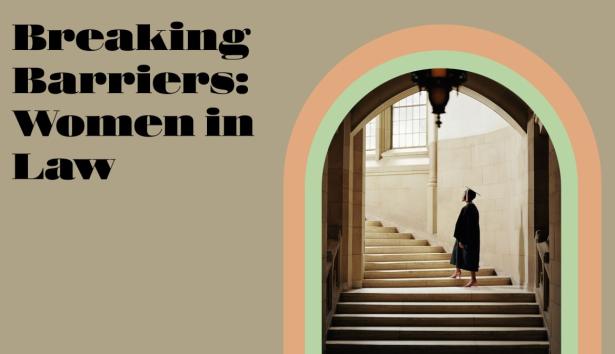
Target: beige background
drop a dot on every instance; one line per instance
(180, 251)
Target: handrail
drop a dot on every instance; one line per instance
(332, 275)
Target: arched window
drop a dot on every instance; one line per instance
(409, 127)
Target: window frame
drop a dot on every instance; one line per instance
(426, 133)
(376, 121)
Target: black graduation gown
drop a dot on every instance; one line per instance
(467, 231)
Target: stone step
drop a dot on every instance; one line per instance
(433, 282)
(380, 229)
(388, 235)
(441, 264)
(397, 257)
(382, 295)
(395, 242)
(438, 333)
(469, 320)
(421, 273)
(373, 223)
(436, 347)
(437, 307)
(402, 249)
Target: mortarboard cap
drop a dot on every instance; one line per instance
(470, 193)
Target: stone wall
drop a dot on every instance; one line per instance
(495, 165)
(399, 198)
(555, 259)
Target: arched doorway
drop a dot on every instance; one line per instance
(495, 163)
(346, 92)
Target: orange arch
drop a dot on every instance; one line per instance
(451, 38)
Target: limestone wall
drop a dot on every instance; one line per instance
(398, 197)
(495, 165)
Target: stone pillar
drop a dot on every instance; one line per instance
(324, 243)
(555, 221)
(357, 206)
(531, 205)
(338, 196)
(432, 181)
(538, 192)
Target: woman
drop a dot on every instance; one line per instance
(467, 234)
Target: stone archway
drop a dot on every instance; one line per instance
(493, 92)
(343, 85)
(343, 196)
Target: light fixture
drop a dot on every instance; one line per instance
(438, 83)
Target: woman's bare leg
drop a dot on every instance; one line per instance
(457, 274)
(473, 281)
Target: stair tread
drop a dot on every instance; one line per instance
(420, 264)
(402, 246)
(388, 274)
(443, 264)
(438, 303)
(398, 257)
(478, 277)
(378, 228)
(427, 261)
(387, 242)
(403, 249)
(439, 297)
(433, 329)
(429, 319)
(442, 342)
(384, 233)
(377, 237)
(437, 315)
(372, 232)
(422, 270)
(503, 289)
(410, 253)
(486, 280)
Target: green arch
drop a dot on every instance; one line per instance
(424, 60)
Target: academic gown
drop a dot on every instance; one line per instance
(467, 231)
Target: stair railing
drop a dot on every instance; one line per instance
(332, 274)
(543, 275)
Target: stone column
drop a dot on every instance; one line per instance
(357, 206)
(432, 181)
(538, 192)
(555, 220)
(325, 182)
(384, 132)
(338, 196)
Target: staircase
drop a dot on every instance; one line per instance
(409, 305)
